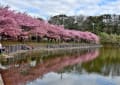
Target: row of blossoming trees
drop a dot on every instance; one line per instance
(20, 26)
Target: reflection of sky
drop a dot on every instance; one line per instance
(75, 79)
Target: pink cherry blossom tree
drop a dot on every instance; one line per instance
(15, 24)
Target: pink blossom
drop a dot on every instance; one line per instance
(11, 23)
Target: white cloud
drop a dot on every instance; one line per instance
(47, 8)
(75, 79)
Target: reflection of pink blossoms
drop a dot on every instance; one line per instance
(12, 21)
(13, 76)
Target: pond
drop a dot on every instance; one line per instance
(96, 66)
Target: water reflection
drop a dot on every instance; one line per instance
(25, 71)
(106, 64)
(53, 78)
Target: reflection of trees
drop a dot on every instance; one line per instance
(111, 70)
(109, 66)
(107, 63)
(24, 73)
(40, 55)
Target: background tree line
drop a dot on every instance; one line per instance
(102, 25)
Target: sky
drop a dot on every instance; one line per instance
(68, 78)
(47, 8)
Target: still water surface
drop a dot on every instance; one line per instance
(99, 66)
